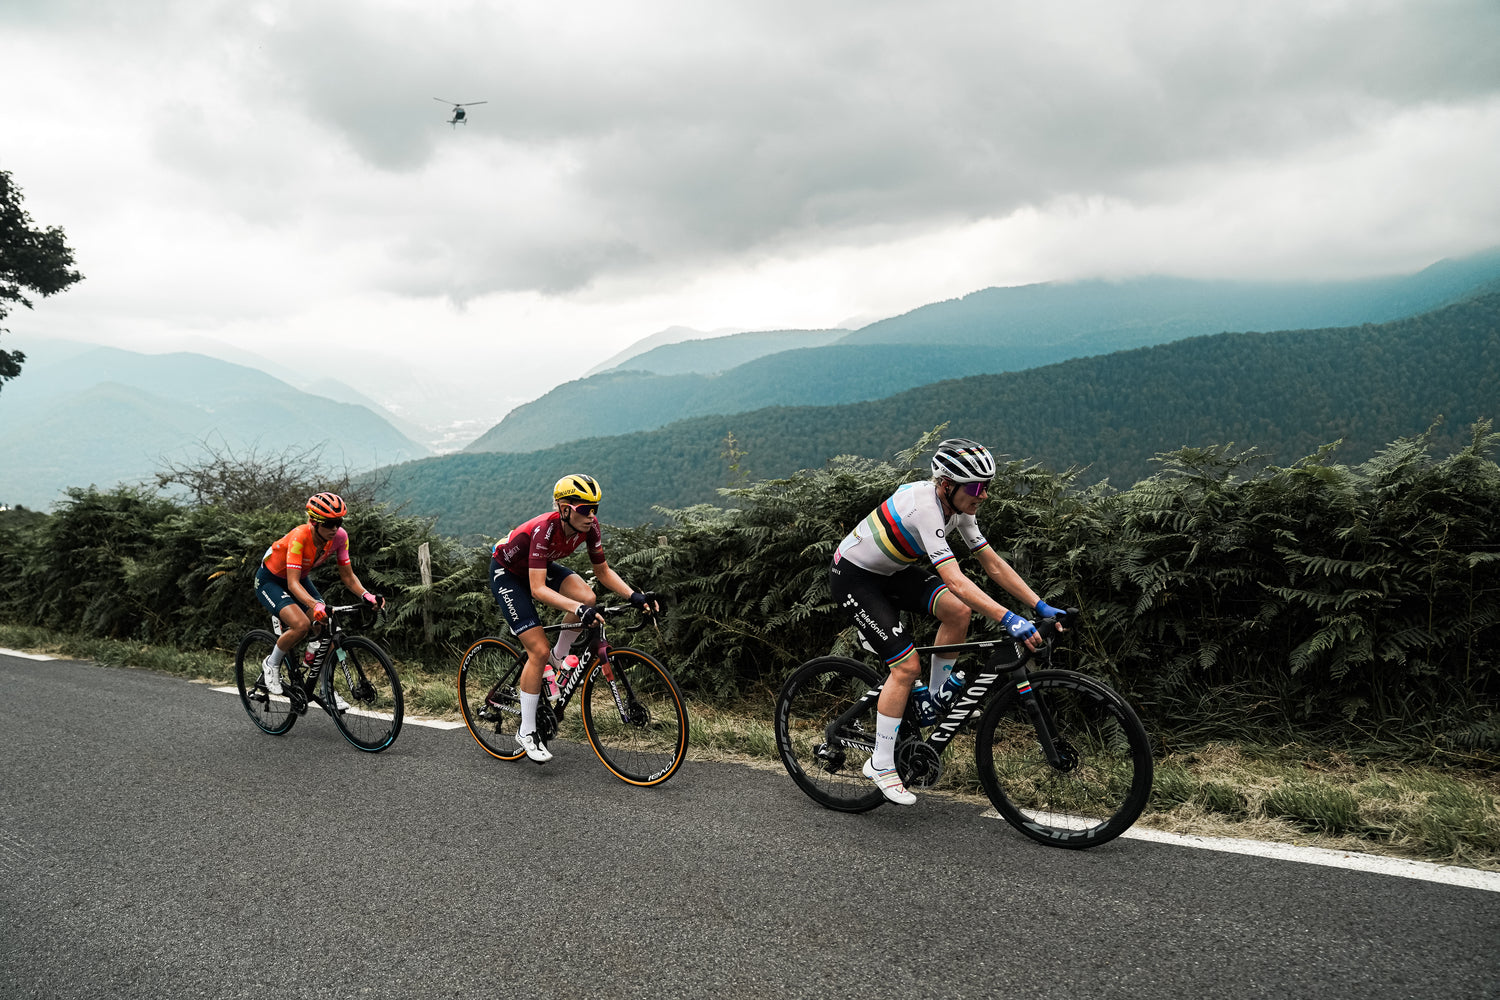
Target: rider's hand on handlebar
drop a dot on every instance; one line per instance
(586, 614)
(1021, 630)
(646, 603)
(1045, 610)
(375, 601)
(320, 611)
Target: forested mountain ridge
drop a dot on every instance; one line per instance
(990, 331)
(1285, 393)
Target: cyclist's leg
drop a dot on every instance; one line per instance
(273, 595)
(574, 588)
(871, 602)
(953, 618)
(513, 596)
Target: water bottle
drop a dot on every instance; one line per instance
(949, 691)
(926, 710)
(311, 656)
(550, 676)
(570, 665)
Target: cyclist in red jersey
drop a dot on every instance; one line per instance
(284, 585)
(524, 570)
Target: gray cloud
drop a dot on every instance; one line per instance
(623, 138)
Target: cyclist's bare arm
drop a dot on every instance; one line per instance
(1001, 572)
(346, 573)
(552, 598)
(607, 576)
(973, 595)
(294, 584)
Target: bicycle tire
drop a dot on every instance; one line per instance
(1108, 782)
(366, 679)
(271, 713)
(816, 694)
(636, 722)
(488, 677)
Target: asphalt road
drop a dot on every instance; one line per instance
(153, 843)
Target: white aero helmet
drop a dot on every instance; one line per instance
(963, 461)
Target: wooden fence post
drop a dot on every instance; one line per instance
(424, 564)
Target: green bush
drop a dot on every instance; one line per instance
(1318, 600)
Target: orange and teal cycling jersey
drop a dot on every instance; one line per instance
(300, 548)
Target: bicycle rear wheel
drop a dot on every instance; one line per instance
(817, 693)
(273, 713)
(1105, 777)
(487, 692)
(635, 717)
(362, 674)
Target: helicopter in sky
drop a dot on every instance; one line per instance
(460, 116)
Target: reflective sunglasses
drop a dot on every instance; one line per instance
(980, 490)
(586, 509)
(333, 522)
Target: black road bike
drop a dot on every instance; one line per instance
(632, 712)
(1063, 758)
(351, 678)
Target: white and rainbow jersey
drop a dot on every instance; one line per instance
(908, 526)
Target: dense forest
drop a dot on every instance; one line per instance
(1285, 394)
(989, 331)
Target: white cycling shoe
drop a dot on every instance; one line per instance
(535, 749)
(270, 673)
(889, 783)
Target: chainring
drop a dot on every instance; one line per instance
(918, 764)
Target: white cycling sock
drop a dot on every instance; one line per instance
(564, 640)
(884, 757)
(528, 712)
(942, 667)
(277, 653)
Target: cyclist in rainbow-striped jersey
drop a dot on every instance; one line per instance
(876, 574)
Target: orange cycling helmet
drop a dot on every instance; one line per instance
(326, 507)
(579, 489)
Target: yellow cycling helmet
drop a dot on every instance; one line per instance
(577, 489)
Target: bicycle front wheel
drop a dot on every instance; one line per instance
(1104, 777)
(828, 769)
(363, 676)
(635, 717)
(273, 713)
(488, 693)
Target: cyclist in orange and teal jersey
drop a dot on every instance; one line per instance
(284, 585)
(524, 570)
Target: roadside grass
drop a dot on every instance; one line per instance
(1289, 793)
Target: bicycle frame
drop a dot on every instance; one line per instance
(332, 636)
(595, 648)
(971, 698)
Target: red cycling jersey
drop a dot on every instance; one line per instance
(542, 539)
(299, 547)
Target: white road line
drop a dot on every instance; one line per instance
(1425, 870)
(26, 656)
(408, 721)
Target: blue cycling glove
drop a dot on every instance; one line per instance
(1019, 628)
(1045, 610)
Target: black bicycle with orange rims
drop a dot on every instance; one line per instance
(1061, 756)
(631, 711)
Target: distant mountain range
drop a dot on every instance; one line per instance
(989, 331)
(79, 415)
(1285, 393)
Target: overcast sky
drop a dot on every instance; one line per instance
(278, 176)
